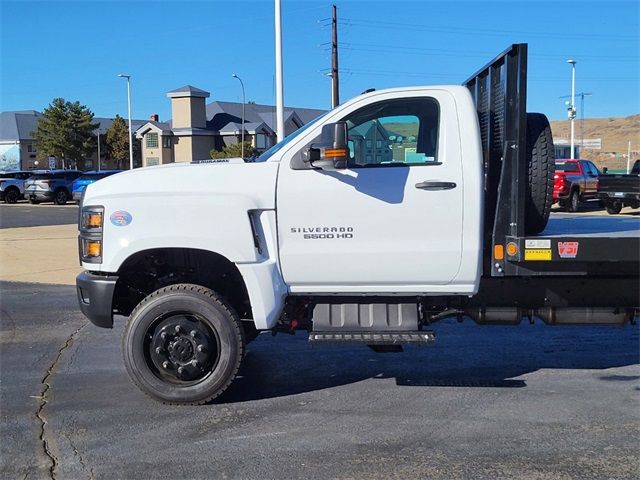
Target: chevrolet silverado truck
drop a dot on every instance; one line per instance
(575, 181)
(393, 211)
(620, 190)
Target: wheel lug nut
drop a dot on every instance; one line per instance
(158, 350)
(194, 363)
(193, 333)
(178, 329)
(165, 364)
(180, 370)
(163, 335)
(201, 348)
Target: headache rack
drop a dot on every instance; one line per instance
(499, 91)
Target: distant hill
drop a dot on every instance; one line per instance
(615, 133)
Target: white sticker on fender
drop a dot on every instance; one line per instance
(537, 243)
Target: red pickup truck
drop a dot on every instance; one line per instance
(575, 181)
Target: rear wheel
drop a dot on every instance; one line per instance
(613, 208)
(11, 195)
(60, 197)
(183, 344)
(541, 168)
(574, 201)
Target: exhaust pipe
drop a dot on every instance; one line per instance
(495, 315)
(585, 316)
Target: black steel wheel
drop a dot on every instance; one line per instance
(11, 195)
(183, 344)
(574, 201)
(613, 208)
(60, 197)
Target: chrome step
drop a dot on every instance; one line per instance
(421, 337)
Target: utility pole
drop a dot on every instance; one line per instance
(571, 111)
(98, 150)
(128, 77)
(243, 103)
(279, 86)
(629, 158)
(335, 83)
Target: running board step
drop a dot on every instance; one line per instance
(421, 337)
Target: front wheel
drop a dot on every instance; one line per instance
(183, 344)
(11, 195)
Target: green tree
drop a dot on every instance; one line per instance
(234, 151)
(65, 131)
(117, 141)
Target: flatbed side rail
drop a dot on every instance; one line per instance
(499, 90)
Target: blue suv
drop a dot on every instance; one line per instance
(88, 178)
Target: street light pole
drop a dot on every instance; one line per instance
(128, 77)
(572, 108)
(243, 103)
(279, 83)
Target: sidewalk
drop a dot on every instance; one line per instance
(40, 254)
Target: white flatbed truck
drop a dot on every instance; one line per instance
(396, 209)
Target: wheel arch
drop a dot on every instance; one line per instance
(146, 271)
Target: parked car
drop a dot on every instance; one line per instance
(620, 190)
(50, 186)
(12, 185)
(575, 181)
(87, 178)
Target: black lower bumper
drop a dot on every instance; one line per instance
(95, 296)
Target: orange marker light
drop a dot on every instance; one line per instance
(498, 252)
(92, 248)
(92, 219)
(335, 152)
(512, 249)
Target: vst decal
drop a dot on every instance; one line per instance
(323, 233)
(568, 249)
(121, 218)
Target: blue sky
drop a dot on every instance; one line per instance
(75, 49)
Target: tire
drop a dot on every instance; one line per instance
(573, 205)
(33, 201)
(613, 208)
(208, 346)
(11, 195)
(540, 169)
(60, 196)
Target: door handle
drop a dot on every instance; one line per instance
(435, 185)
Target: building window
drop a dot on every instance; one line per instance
(166, 142)
(378, 143)
(31, 148)
(152, 161)
(261, 140)
(152, 140)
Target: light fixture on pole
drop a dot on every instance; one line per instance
(128, 77)
(571, 111)
(243, 103)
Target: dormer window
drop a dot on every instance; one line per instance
(152, 140)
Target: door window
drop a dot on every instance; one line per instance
(394, 132)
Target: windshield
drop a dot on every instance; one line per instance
(278, 146)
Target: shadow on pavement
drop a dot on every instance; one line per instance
(465, 355)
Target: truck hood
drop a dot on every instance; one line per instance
(221, 177)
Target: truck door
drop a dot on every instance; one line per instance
(390, 221)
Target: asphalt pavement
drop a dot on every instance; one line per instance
(485, 402)
(26, 215)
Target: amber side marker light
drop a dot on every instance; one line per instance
(512, 249)
(92, 248)
(498, 252)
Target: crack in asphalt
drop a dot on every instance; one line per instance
(76, 452)
(44, 399)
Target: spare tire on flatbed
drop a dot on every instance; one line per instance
(541, 168)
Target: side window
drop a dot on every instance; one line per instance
(392, 132)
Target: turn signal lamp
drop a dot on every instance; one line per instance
(91, 248)
(512, 249)
(498, 252)
(335, 152)
(91, 220)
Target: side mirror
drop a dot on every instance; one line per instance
(332, 153)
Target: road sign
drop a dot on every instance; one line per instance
(52, 163)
